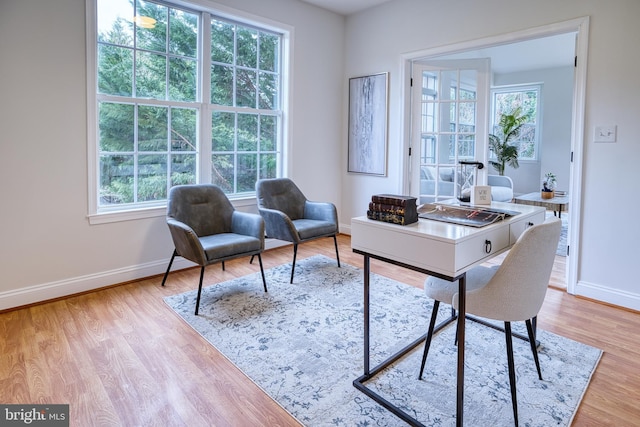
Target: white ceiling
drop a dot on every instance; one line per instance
(346, 7)
(536, 54)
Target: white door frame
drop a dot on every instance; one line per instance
(578, 25)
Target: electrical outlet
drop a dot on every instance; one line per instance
(605, 133)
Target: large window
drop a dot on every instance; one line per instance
(504, 101)
(181, 96)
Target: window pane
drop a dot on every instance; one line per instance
(268, 166)
(247, 54)
(152, 128)
(183, 169)
(269, 52)
(247, 132)
(116, 127)
(467, 112)
(182, 79)
(151, 26)
(221, 85)
(247, 172)
(222, 171)
(116, 179)
(183, 129)
(268, 133)
(114, 23)
(152, 177)
(115, 70)
(268, 91)
(151, 70)
(222, 42)
(183, 33)
(222, 131)
(246, 88)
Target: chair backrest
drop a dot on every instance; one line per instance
(281, 194)
(517, 290)
(203, 207)
(499, 181)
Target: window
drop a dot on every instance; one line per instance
(182, 96)
(505, 100)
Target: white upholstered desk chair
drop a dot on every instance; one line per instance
(513, 291)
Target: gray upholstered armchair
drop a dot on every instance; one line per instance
(206, 229)
(289, 216)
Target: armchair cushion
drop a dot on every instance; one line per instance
(289, 216)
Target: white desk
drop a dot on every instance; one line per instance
(439, 249)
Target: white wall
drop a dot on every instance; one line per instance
(48, 247)
(607, 256)
(555, 138)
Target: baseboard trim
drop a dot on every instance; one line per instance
(608, 295)
(43, 292)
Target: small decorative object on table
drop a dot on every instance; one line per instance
(393, 208)
(548, 186)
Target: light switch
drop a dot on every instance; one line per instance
(605, 133)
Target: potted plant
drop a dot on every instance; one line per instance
(548, 186)
(509, 127)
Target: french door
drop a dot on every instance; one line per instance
(449, 121)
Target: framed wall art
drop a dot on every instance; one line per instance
(367, 152)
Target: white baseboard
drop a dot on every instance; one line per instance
(609, 295)
(75, 285)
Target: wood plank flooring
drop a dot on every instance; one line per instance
(121, 357)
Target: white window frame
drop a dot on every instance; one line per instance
(538, 124)
(108, 215)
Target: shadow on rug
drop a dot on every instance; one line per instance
(302, 343)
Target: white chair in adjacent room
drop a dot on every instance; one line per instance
(513, 291)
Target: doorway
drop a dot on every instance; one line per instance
(480, 47)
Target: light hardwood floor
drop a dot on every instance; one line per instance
(121, 357)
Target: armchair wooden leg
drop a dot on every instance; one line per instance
(264, 281)
(512, 370)
(427, 343)
(293, 266)
(199, 290)
(335, 242)
(164, 279)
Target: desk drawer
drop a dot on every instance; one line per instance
(517, 227)
(481, 247)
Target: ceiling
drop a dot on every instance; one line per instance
(537, 54)
(346, 7)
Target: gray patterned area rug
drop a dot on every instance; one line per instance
(562, 243)
(302, 343)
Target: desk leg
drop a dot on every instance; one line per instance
(462, 310)
(367, 267)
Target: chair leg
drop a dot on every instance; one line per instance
(251, 260)
(293, 266)
(427, 343)
(164, 279)
(534, 348)
(512, 370)
(199, 290)
(335, 242)
(264, 281)
(223, 266)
